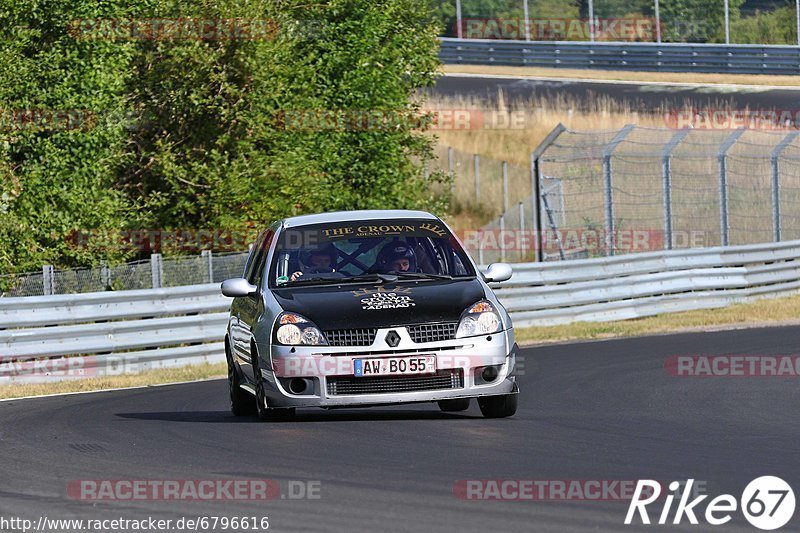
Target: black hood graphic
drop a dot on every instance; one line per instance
(379, 306)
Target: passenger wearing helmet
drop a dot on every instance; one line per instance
(397, 257)
(320, 260)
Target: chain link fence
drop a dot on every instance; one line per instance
(155, 272)
(641, 189)
(598, 194)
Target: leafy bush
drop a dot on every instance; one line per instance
(191, 133)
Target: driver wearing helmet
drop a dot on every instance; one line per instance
(319, 260)
(397, 257)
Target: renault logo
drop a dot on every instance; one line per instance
(392, 338)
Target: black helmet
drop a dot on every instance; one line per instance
(324, 249)
(396, 250)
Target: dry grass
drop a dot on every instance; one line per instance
(764, 312)
(534, 118)
(666, 77)
(153, 377)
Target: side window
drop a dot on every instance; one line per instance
(251, 259)
(261, 258)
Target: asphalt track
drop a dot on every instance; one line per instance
(596, 410)
(642, 97)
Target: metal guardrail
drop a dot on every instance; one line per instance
(647, 284)
(668, 57)
(128, 331)
(52, 338)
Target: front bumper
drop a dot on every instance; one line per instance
(328, 371)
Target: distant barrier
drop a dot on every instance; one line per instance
(667, 57)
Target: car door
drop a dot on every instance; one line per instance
(250, 308)
(238, 338)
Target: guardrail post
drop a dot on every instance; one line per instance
(608, 189)
(536, 189)
(476, 163)
(48, 285)
(666, 174)
(723, 184)
(210, 263)
(776, 190)
(156, 270)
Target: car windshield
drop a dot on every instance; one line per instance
(367, 251)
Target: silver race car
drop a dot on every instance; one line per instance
(365, 308)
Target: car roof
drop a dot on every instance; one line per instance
(367, 214)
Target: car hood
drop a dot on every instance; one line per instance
(378, 306)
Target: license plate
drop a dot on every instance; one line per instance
(395, 366)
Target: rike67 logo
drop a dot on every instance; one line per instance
(767, 503)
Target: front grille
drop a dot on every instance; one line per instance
(351, 337)
(403, 351)
(441, 380)
(433, 332)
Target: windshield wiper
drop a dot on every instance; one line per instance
(420, 275)
(380, 278)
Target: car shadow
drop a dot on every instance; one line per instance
(337, 415)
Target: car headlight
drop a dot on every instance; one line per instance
(296, 330)
(479, 319)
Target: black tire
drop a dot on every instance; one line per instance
(498, 406)
(266, 414)
(452, 406)
(242, 402)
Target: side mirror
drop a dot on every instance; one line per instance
(498, 272)
(236, 287)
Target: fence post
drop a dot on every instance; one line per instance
(536, 189)
(210, 263)
(723, 184)
(776, 191)
(666, 175)
(459, 29)
(607, 175)
(521, 237)
(451, 169)
(476, 163)
(48, 284)
(502, 237)
(105, 276)
(505, 187)
(156, 270)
